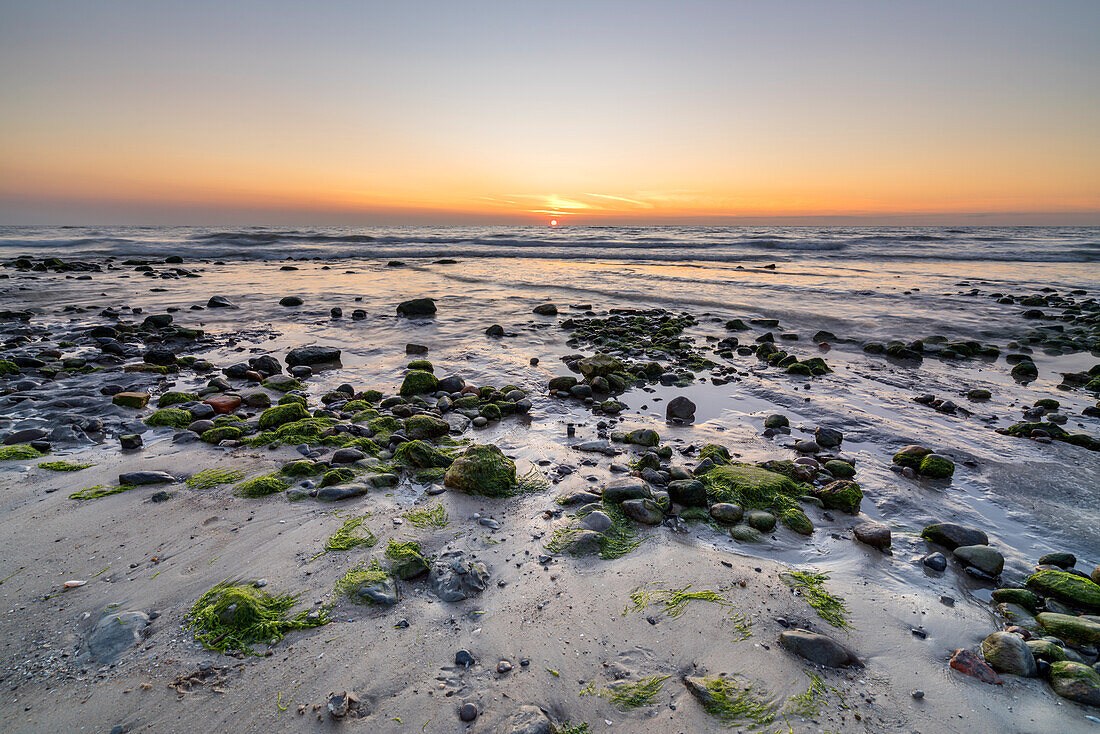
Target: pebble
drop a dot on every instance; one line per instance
(468, 712)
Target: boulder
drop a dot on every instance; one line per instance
(951, 536)
(1075, 681)
(482, 470)
(139, 478)
(680, 408)
(312, 355)
(645, 511)
(874, 534)
(690, 493)
(417, 307)
(627, 488)
(1008, 653)
(981, 557)
(599, 365)
(968, 662)
(818, 648)
(1066, 587)
(454, 577)
(1074, 630)
(726, 512)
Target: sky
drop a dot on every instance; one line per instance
(603, 111)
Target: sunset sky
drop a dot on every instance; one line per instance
(601, 111)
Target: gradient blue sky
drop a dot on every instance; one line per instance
(603, 111)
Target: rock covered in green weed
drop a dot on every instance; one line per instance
(221, 433)
(407, 561)
(170, 418)
(842, 494)
(280, 415)
(421, 455)
(482, 470)
(19, 451)
(732, 702)
(304, 468)
(417, 382)
(62, 466)
(235, 616)
(1075, 681)
(213, 477)
(426, 426)
(368, 584)
(173, 398)
(1066, 587)
(261, 486)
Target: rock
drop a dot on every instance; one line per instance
(1066, 587)
(644, 511)
(981, 557)
(643, 437)
(347, 456)
(584, 542)
(130, 441)
(951, 536)
(776, 420)
(966, 661)
(417, 307)
(596, 520)
(139, 478)
(874, 534)
(935, 561)
(454, 578)
(338, 705)
(468, 712)
(342, 492)
(911, 456)
(451, 383)
(1023, 597)
(1007, 653)
(279, 415)
(465, 658)
(680, 408)
(841, 494)
(818, 648)
(25, 436)
(482, 470)
(626, 488)
(312, 355)
(761, 520)
(1075, 681)
(383, 593)
(417, 382)
(426, 426)
(726, 512)
(828, 437)
(220, 302)
(690, 493)
(1074, 630)
(131, 399)
(935, 466)
(1062, 560)
(1046, 650)
(224, 404)
(599, 365)
(159, 356)
(978, 394)
(1018, 616)
(115, 633)
(290, 301)
(528, 720)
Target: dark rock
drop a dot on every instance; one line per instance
(680, 408)
(417, 307)
(874, 534)
(115, 633)
(454, 577)
(818, 648)
(951, 536)
(220, 302)
(290, 301)
(312, 355)
(138, 478)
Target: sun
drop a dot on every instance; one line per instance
(553, 223)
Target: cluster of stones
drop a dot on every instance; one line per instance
(766, 350)
(1051, 631)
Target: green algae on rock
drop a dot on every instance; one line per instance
(417, 382)
(280, 415)
(62, 466)
(19, 451)
(421, 455)
(482, 470)
(1066, 587)
(235, 616)
(407, 560)
(172, 398)
(170, 418)
(261, 486)
(208, 478)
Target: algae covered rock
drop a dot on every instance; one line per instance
(221, 433)
(911, 456)
(935, 466)
(842, 494)
(420, 455)
(279, 415)
(483, 470)
(643, 437)
(417, 382)
(261, 486)
(170, 418)
(1007, 653)
(131, 399)
(644, 511)
(599, 365)
(1066, 587)
(407, 561)
(1074, 630)
(426, 426)
(1075, 681)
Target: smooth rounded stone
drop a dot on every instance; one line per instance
(967, 662)
(290, 301)
(979, 394)
(504, 666)
(383, 592)
(1072, 629)
(807, 446)
(1008, 653)
(1023, 597)
(468, 712)
(453, 577)
(777, 420)
(761, 520)
(626, 488)
(818, 648)
(417, 307)
(598, 521)
(342, 492)
(828, 437)
(1060, 559)
(951, 536)
(1065, 586)
(645, 511)
(680, 408)
(584, 542)
(115, 633)
(219, 302)
(347, 456)
(312, 355)
(480, 422)
(1046, 650)
(139, 478)
(257, 399)
(1018, 616)
(202, 411)
(935, 561)
(130, 441)
(201, 426)
(452, 383)
(1075, 681)
(688, 492)
(745, 533)
(981, 557)
(874, 534)
(579, 497)
(727, 512)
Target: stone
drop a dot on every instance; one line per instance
(139, 478)
(584, 542)
(761, 520)
(482, 470)
(131, 441)
(220, 302)
(874, 534)
(347, 456)
(312, 355)
(1066, 587)
(26, 435)
(645, 511)
(468, 712)
(680, 408)
(465, 658)
(727, 512)
(279, 415)
(290, 301)
(115, 633)
(1062, 560)
(935, 466)
(1046, 650)
(841, 494)
(626, 488)
(383, 593)
(981, 557)
(1072, 629)
(818, 648)
(828, 437)
(453, 577)
(776, 420)
(596, 520)
(528, 720)
(223, 404)
(951, 536)
(131, 399)
(1075, 681)
(599, 365)
(342, 492)
(1008, 653)
(967, 662)
(689, 492)
(417, 307)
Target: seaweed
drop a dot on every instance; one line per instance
(62, 466)
(733, 703)
(212, 477)
(98, 491)
(675, 603)
(618, 540)
(629, 695)
(808, 704)
(829, 607)
(261, 486)
(359, 576)
(19, 451)
(233, 616)
(346, 538)
(434, 517)
(568, 728)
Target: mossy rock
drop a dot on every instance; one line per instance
(751, 487)
(1022, 597)
(336, 476)
(1076, 682)
(777, 420)
(714, 452)
(19, 451)
(469, 402)
(643, 437)
(261, 486)
(417, 382)
(1067, 627)
(170, 418)
(421, 364)
(407, 561)
(426, 426)
(131, 399)
(383, 426)
(599, 365)
(281, 383)
(842, 494)
(911, 456)
(1066, 587)
(293, 398)
(280, 415)
(746, 534)
(222, 433)
(482, 470)
(490, 412)
(840, 469)
(796, 520)
(303, 468)
(421, 455)
(174, 398)
(8, 367)
(935, 466)
(565, 382)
